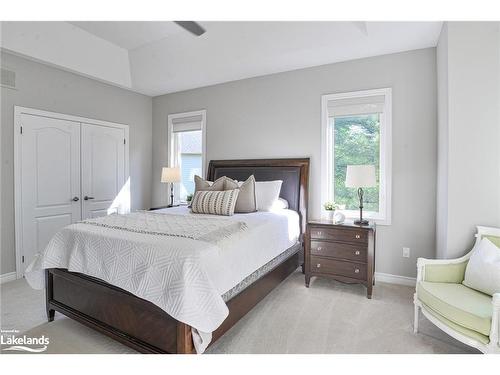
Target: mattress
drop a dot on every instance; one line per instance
(268, 235)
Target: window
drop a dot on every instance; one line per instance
(186, 132)
(356, 130)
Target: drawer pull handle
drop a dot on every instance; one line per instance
(357, 252)
(318, 265)
(356, 270)
(358, 236)
(320, 248)
(320, 233)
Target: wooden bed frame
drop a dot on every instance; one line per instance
(144, 326)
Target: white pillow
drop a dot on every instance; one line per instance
(483, 270)
(267, 192)
(280, 204)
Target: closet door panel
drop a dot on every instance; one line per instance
(50, 180)
(103, 171)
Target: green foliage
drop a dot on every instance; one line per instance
(330, 206)
(357, 141)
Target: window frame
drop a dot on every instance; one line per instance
(384, 215)
(172, 146)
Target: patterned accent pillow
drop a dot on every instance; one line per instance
(215, 202)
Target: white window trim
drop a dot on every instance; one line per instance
(385, 191)
(171, 146)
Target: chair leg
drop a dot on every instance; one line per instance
(415, 318)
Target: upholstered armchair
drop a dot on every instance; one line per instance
(465, 314)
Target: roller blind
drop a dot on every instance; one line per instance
(356, 106)
(186, 124)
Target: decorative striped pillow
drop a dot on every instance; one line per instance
(215, 202)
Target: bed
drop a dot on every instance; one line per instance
(148, 328)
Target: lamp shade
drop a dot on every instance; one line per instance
(360, 176)
(170, 174)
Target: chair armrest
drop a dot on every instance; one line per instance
(495, 320)
(442, 270)
(496, 301)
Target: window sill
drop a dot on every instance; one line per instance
(377, 221)
(349, 216)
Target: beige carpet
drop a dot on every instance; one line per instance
(328, 317)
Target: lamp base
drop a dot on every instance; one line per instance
(361, 222)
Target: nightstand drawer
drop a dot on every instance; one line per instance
(339, 250)
(338, 267)
(350, 235)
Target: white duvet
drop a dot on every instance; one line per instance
(183, 276)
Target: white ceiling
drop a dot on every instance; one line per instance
(130, 34)
(164, 58)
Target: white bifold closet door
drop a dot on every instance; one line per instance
(69, 171)
(50, 180)
(103, 170)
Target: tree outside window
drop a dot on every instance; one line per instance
(356, 142)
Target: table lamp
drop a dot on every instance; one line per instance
(360, 176)
(171, 175)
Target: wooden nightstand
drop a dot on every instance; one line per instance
(159, 208)
(345, 252)
(162, 207)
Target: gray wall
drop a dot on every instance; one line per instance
(442, 166)
(42, 87)
(470, 147)
(279, 116)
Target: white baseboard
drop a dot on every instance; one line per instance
(395, 279)
(11, 276)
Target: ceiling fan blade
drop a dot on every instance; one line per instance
(192, 27)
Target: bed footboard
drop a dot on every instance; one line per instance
(138, 323)
(112, 311)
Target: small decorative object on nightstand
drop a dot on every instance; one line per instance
(171, 175)
(338, 217)
(330, 208)
(345, 252)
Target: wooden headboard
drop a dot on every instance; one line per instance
(293, 172)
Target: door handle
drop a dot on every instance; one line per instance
(86, 198)
(75, 199)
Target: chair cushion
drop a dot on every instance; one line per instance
(445, 273)
(458, 303)
(494, 239)
(464, 331)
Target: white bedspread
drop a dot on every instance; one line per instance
(184, 276)
(196, 227)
